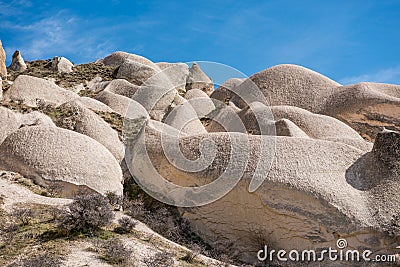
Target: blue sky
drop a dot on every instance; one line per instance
(348, 41)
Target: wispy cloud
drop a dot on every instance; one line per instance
(390, 75)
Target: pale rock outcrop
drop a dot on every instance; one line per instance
(201, 102)
(199, 80)
(51, 154)
(94, 104)
(290, 85)
(117, 58)
(135, 72)
(285, 127)
(352, 98)
(9, 122)
(96, 84)
(258, 117)
(87, 122)
(177, 73)
(31, 90)
(122, 105)
(35, 118)
(1, 88)
(62, 65)
(305, 197)
(184, 118)
(3, 68)
(225, 91)
(156, 95)
(122, 87)
(17, 63)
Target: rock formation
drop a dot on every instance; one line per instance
(3, 68)
(31, 91)
(62, 65)
(276, 159)
(199, 80)
(54, 155)
(17, 63)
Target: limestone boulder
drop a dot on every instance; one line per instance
(96, 85)
(117, 58)
(156, 95)
(54, 155)
(17, 63)
(122, 87)
(184, 118)
(135, 72)
(119, 104)
(199, 80)
(87, 122)
(35, 118)
(62, 65)
(94, 104)
(225, 91)
(3, 68)
(9, 122)
(201, 102)
(366, 107)
(31, 90)
(177, 73)
(290, 85)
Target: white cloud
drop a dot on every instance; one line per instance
(57, 35)
(390, 75)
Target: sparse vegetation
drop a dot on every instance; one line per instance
(160, 259)
(88, 213)
(23, 215)
(126, 225)
(114, 251)
(42, 260)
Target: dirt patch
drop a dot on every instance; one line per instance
(81, 73)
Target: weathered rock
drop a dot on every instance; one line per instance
(3, 68)
(35, 118)
(285, 127)
(117, 58)
(156, 95)
(200, 102)
(305, 197)
(122, 105)
(352, 98)
(62, 65)
(289, 85)
(177, 73)
(17, 63)
(225, 91)
(1, 89)
(122, 87)
(185, 119)
(72, 160)
(366, 107)
(97, 84)
(89, 123)
(9, 123)
(31, 90)
(95, 105)
(135, 72)
(199, 80)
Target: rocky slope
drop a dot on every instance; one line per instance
(284, 158)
